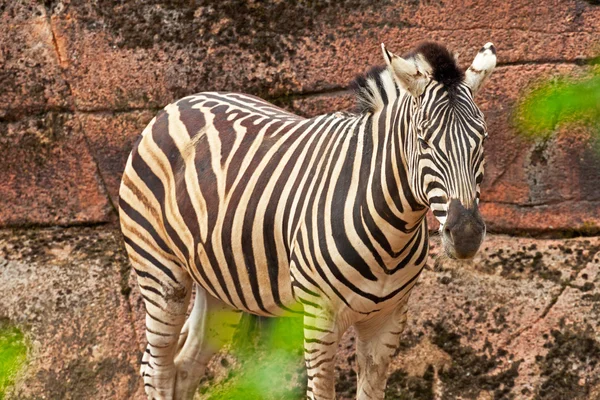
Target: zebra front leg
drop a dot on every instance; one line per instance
(211, 324)
(321, 337)
(166, 299)
(377, 341)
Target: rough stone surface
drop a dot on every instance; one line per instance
(521, 321)
(111, 137)
(118, 56)
(551, 182)
(30, 75)
(48, 175)
(505, 312)
(63, 287)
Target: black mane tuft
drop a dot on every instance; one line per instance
(445, 69)
(364, 93)
(377, 87)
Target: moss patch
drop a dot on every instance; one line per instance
(267, 362)
(13, 353)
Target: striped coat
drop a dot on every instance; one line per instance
(270, 213)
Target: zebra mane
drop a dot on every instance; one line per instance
(378, 87)
(374, 89)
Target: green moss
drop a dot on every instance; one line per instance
(560, 101)
(13, 353)
(270, 365)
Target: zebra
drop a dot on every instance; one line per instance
(259, 209)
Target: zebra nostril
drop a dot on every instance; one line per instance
(448, 233)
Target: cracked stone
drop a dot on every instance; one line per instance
(48, 175)
(31, 78)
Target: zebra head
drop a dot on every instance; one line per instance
(446, 132)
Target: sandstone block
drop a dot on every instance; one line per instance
(117, 58)
(111, 137)
(62, 287)
(48, 176)
(31, 77)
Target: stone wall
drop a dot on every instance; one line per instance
(79, 81)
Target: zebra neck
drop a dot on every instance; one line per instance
(390, 209)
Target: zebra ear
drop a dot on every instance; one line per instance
(482, 67)
(406, 73)
(456, 56)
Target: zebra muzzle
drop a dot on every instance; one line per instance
(463, 231)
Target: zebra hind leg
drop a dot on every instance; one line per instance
(211, 324)
(377, 342)
(166, 298)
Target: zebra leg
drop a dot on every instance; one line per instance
(377, 341)
(210, 325)
(321, 337)
(166, 302)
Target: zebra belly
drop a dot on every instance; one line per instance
(245, 283)
(359, 298)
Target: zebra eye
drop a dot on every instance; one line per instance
(423, 143)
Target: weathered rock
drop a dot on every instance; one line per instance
(106, 78)
(567, 217)
(118, 56)
(111, 137)
(63, 288)
(550, 182)
(23, 11)
(557, 17)
(48, 175)
(31, 77)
